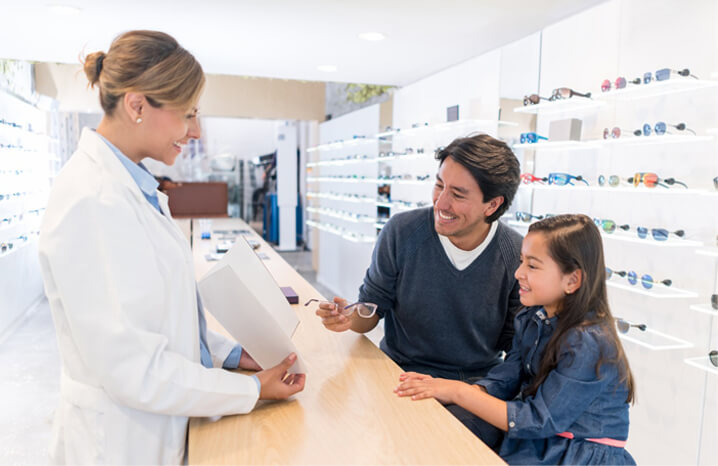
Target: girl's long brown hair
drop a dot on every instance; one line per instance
(574, 243)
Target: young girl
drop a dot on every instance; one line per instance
(562, 394)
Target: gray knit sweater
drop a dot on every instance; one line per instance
(435, 315)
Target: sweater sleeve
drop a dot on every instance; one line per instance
(379, 285)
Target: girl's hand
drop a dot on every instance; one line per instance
(419, 388)
(413, 376)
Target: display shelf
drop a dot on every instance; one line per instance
(325, 179)
(405, 157)
(340, 162)
(341, 143)
(354, 238)
(703, 363)
(442, 127)
(339, 215)
(558, 145)
(649, 140)
(704, 308)
(670, 243)
(658, 291)
(655, 340)
(343, 198)
(562, 105)
(710, 252)
(609, 189)
(674, 85)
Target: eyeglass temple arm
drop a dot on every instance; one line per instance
(580, 178)
(587, 94)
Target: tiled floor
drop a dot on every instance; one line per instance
(29, 384)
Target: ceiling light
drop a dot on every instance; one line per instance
(327, 68)
(65, 10)
(372, 36)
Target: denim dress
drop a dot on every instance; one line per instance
(572, 398)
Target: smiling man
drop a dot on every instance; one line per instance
(443, 276)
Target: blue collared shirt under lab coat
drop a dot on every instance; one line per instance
(148, 185)
(572, 398)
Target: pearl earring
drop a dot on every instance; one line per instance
(139, 120)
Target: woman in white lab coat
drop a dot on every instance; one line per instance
(119, 275)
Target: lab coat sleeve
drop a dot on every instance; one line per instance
(101, 261)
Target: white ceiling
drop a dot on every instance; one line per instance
(287, 38)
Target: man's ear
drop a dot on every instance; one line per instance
(494, 204)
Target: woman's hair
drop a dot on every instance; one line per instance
(574, 243)
(147, 62)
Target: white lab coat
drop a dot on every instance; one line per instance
(120, 281)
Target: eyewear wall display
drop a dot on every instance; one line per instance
(665, 73)
(567, 93)
(624, 326)
(363, 309)
(531, 138)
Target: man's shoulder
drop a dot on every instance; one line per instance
(509, 240)
(407, 224)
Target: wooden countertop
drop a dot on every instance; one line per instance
(347, 413)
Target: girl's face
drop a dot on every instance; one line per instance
(540, 279)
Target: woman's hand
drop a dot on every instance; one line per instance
(246, 361)
(277, 383)
(421, 386)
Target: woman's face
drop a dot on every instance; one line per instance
(167, 130)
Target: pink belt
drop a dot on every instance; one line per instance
(603, 441)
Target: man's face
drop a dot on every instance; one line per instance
(459, 208)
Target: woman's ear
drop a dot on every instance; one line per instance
(572, 281)
(133, 104)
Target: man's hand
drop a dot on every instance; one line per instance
(277, 384)
(331, 315)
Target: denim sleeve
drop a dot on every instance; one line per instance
(504, 380)
(565, 394)
(379, 285)
(232, 360)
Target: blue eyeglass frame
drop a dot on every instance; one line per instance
(531, 138)
(658, 234)
(646, 280)
(562, 179)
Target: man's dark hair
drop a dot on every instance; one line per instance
(492, 164)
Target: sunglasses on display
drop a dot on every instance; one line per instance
(566, 93)
(715, 183)
(609, 226)
(665, 73)
(651, 180)
(613, 180)
(624, 326)
(562, 179)
(533, 99)
(713, 357)
(658, 234)
(527, 178)
(365, 310)
(615, 133)
(660, 129)
(714, 301)
(527, 217)
(531, 138)
(646, 280)
(619, 83)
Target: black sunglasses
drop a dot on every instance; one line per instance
(713, 357)
(566, 93)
